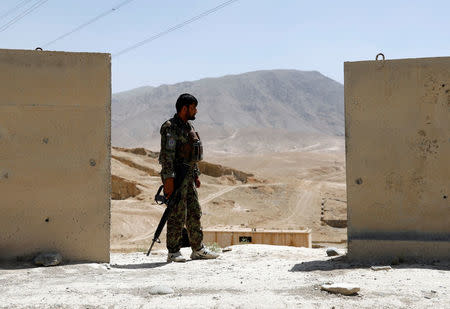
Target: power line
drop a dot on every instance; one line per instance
(22, 15)
(88, 22)
(18, 6)
(210, 11)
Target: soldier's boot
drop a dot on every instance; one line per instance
(175, 257)
(203, 254)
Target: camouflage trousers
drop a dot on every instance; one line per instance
(186, 213)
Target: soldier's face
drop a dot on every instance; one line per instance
(192, 111)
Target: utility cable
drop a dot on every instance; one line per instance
(22, 15)
(18, 6)
(88, 22)
(178, 26)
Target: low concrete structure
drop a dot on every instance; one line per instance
(397, 117)
(55, 183)
(224, 238)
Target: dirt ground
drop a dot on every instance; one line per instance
(249, 276)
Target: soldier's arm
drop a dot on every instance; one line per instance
(167, 154)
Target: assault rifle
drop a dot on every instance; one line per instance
(170, 202)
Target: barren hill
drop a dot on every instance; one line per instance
(255, 111)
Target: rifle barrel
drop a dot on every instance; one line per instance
(170, 204)
(148, 252)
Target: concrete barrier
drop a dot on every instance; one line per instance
(55, 184)
(398, 158)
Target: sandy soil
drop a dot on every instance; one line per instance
(249, 276)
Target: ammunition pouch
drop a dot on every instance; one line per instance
(197, 147)
(192, 151)
(197, 151)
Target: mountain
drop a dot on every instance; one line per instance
(256, 111)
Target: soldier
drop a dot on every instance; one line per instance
(181, 149)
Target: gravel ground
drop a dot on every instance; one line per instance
(249, 276)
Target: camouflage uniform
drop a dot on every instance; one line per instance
(174, 135)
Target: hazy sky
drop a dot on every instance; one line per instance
(247, 35)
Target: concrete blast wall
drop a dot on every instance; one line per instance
(398, 159)
(55, 154)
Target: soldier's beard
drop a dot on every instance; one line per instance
(191, 117)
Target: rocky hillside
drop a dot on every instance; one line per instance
(277, 107)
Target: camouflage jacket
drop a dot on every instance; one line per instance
(174, 133)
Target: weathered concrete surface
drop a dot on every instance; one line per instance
(398, 158)
(55, 154)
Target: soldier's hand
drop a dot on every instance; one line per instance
(197, 182)
(168, 186)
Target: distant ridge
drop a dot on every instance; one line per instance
(237, 111)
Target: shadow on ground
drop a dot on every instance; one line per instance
(342, 262)
(16, 265)
(140, 266)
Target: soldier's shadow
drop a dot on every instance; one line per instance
(140, 266)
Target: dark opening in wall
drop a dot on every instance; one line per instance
(245, 239)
